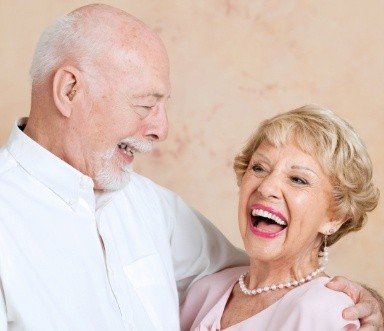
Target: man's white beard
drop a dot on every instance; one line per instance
(114, 176)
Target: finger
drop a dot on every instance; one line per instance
(342, 284)
(359, 311)
(373, 322)
(369, 328)
(350, 327)
(367, 306)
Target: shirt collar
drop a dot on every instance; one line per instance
(47, 168)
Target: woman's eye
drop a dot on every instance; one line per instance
(257, 168)
(299, 180)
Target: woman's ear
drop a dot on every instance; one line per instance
(332, 226)
(65, 87)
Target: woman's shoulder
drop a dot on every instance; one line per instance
(307, 305)
(213, 286)
(220, 279)
(317, 288)
(203, 294)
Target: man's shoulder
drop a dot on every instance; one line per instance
(6, 161)
(137, 179)
(140, 184)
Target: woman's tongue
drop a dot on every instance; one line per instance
(270, 227)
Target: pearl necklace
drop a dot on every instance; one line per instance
(274, 287)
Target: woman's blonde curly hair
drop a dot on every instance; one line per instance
(340, 151)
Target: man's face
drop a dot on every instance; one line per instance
(127, 113)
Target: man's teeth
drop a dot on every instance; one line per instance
(266, 214)
(126, 149)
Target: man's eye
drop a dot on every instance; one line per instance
(142, 110)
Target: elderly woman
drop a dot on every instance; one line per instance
(305, 182)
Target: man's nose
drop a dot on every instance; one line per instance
(157, 128)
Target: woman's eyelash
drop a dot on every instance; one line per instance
(299, 180)
(257, 167)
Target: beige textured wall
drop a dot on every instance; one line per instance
(235, 62)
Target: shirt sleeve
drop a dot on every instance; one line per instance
(199, 248)
(196, 246)
(3, 311)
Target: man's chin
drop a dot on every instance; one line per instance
(110, 181)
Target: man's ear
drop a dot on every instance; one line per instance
(65, 87)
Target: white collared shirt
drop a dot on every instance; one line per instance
(72, 261)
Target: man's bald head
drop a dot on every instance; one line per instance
(88, 36)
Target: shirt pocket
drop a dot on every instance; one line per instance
(155, 288)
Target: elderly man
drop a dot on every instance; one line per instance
(87, 244)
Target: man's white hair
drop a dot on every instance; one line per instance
(69, 40)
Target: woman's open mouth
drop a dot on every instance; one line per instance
(266, 224)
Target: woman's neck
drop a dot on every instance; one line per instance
(263, 274)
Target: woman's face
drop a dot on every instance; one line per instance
(285, 201)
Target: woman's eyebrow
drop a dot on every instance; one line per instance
(304, 168)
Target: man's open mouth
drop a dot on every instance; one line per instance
(126, 149)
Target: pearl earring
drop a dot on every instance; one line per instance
(324, 253)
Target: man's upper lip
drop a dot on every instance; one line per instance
(270, 210)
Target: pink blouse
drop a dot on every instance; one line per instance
(309, 307)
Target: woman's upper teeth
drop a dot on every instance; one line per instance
(266, 214)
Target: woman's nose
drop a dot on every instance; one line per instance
(270, 186)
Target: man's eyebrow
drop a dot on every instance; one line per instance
(146, 95)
